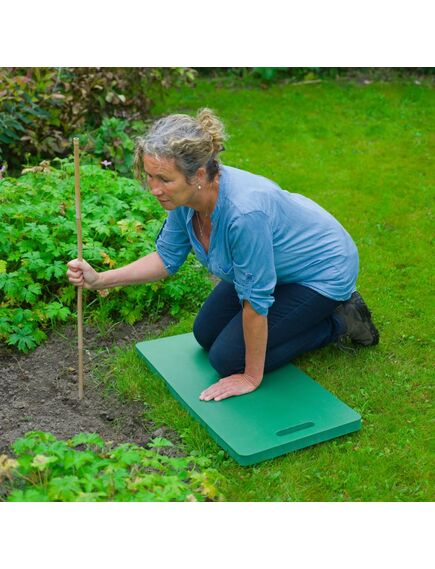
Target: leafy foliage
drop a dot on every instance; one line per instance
(271, 74)
(112, 144)
(38, 237)
(42, 107)
(46, 469)
(268, 75)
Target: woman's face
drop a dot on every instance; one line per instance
(167, 183)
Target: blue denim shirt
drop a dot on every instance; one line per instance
(262, 236)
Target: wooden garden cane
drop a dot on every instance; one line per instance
(80, 258)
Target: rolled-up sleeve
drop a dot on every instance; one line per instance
(173, 243)
(253, 260)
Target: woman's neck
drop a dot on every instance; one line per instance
(209, 195)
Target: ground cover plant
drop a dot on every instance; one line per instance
(86, 468)
(38, 237)
(363, 151)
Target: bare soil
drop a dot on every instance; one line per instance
(39, 391)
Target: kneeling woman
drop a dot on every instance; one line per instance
(288, 269)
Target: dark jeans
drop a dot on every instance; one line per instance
(298, 321)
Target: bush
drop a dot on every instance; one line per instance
(38, 237)
(86, 469)
(272, 74)
(42, 108)
(269, 74)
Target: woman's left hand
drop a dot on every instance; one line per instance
(237, 384)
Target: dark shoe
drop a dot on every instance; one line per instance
(357, 319)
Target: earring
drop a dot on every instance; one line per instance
(199, 187)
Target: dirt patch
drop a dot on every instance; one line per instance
(39, 392)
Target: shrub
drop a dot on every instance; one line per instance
(41, 108)
(86, 469)
(38, 237)
(271, 74)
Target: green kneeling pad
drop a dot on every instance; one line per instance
(288, 411)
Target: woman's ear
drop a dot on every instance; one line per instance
(201, 175)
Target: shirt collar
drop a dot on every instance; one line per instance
(222, 190)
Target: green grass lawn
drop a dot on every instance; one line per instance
(364, 153)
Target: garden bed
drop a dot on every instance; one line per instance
(39, 392)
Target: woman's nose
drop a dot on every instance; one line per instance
(154, 188)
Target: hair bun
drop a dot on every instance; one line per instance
(214, 127)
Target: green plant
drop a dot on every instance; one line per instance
(254, 76)
(38, 237)
(268, 73)
(85, 468)
(111, 143)
(41, 108)
(30, 114)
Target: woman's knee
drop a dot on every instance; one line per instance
(225, 361)
(200, 332)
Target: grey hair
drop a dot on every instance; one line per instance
(193, 142)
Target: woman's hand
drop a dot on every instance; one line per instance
(237, 384)
(80, 273)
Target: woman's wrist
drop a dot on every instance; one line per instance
(253, 379)
(103, 281)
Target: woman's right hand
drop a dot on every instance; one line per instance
(80, 273)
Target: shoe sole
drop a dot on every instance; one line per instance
(366, 316)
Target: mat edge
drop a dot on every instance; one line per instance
(248, 460)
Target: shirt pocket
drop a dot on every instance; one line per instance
(225, 272)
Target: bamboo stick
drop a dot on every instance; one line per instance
(80, 258)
